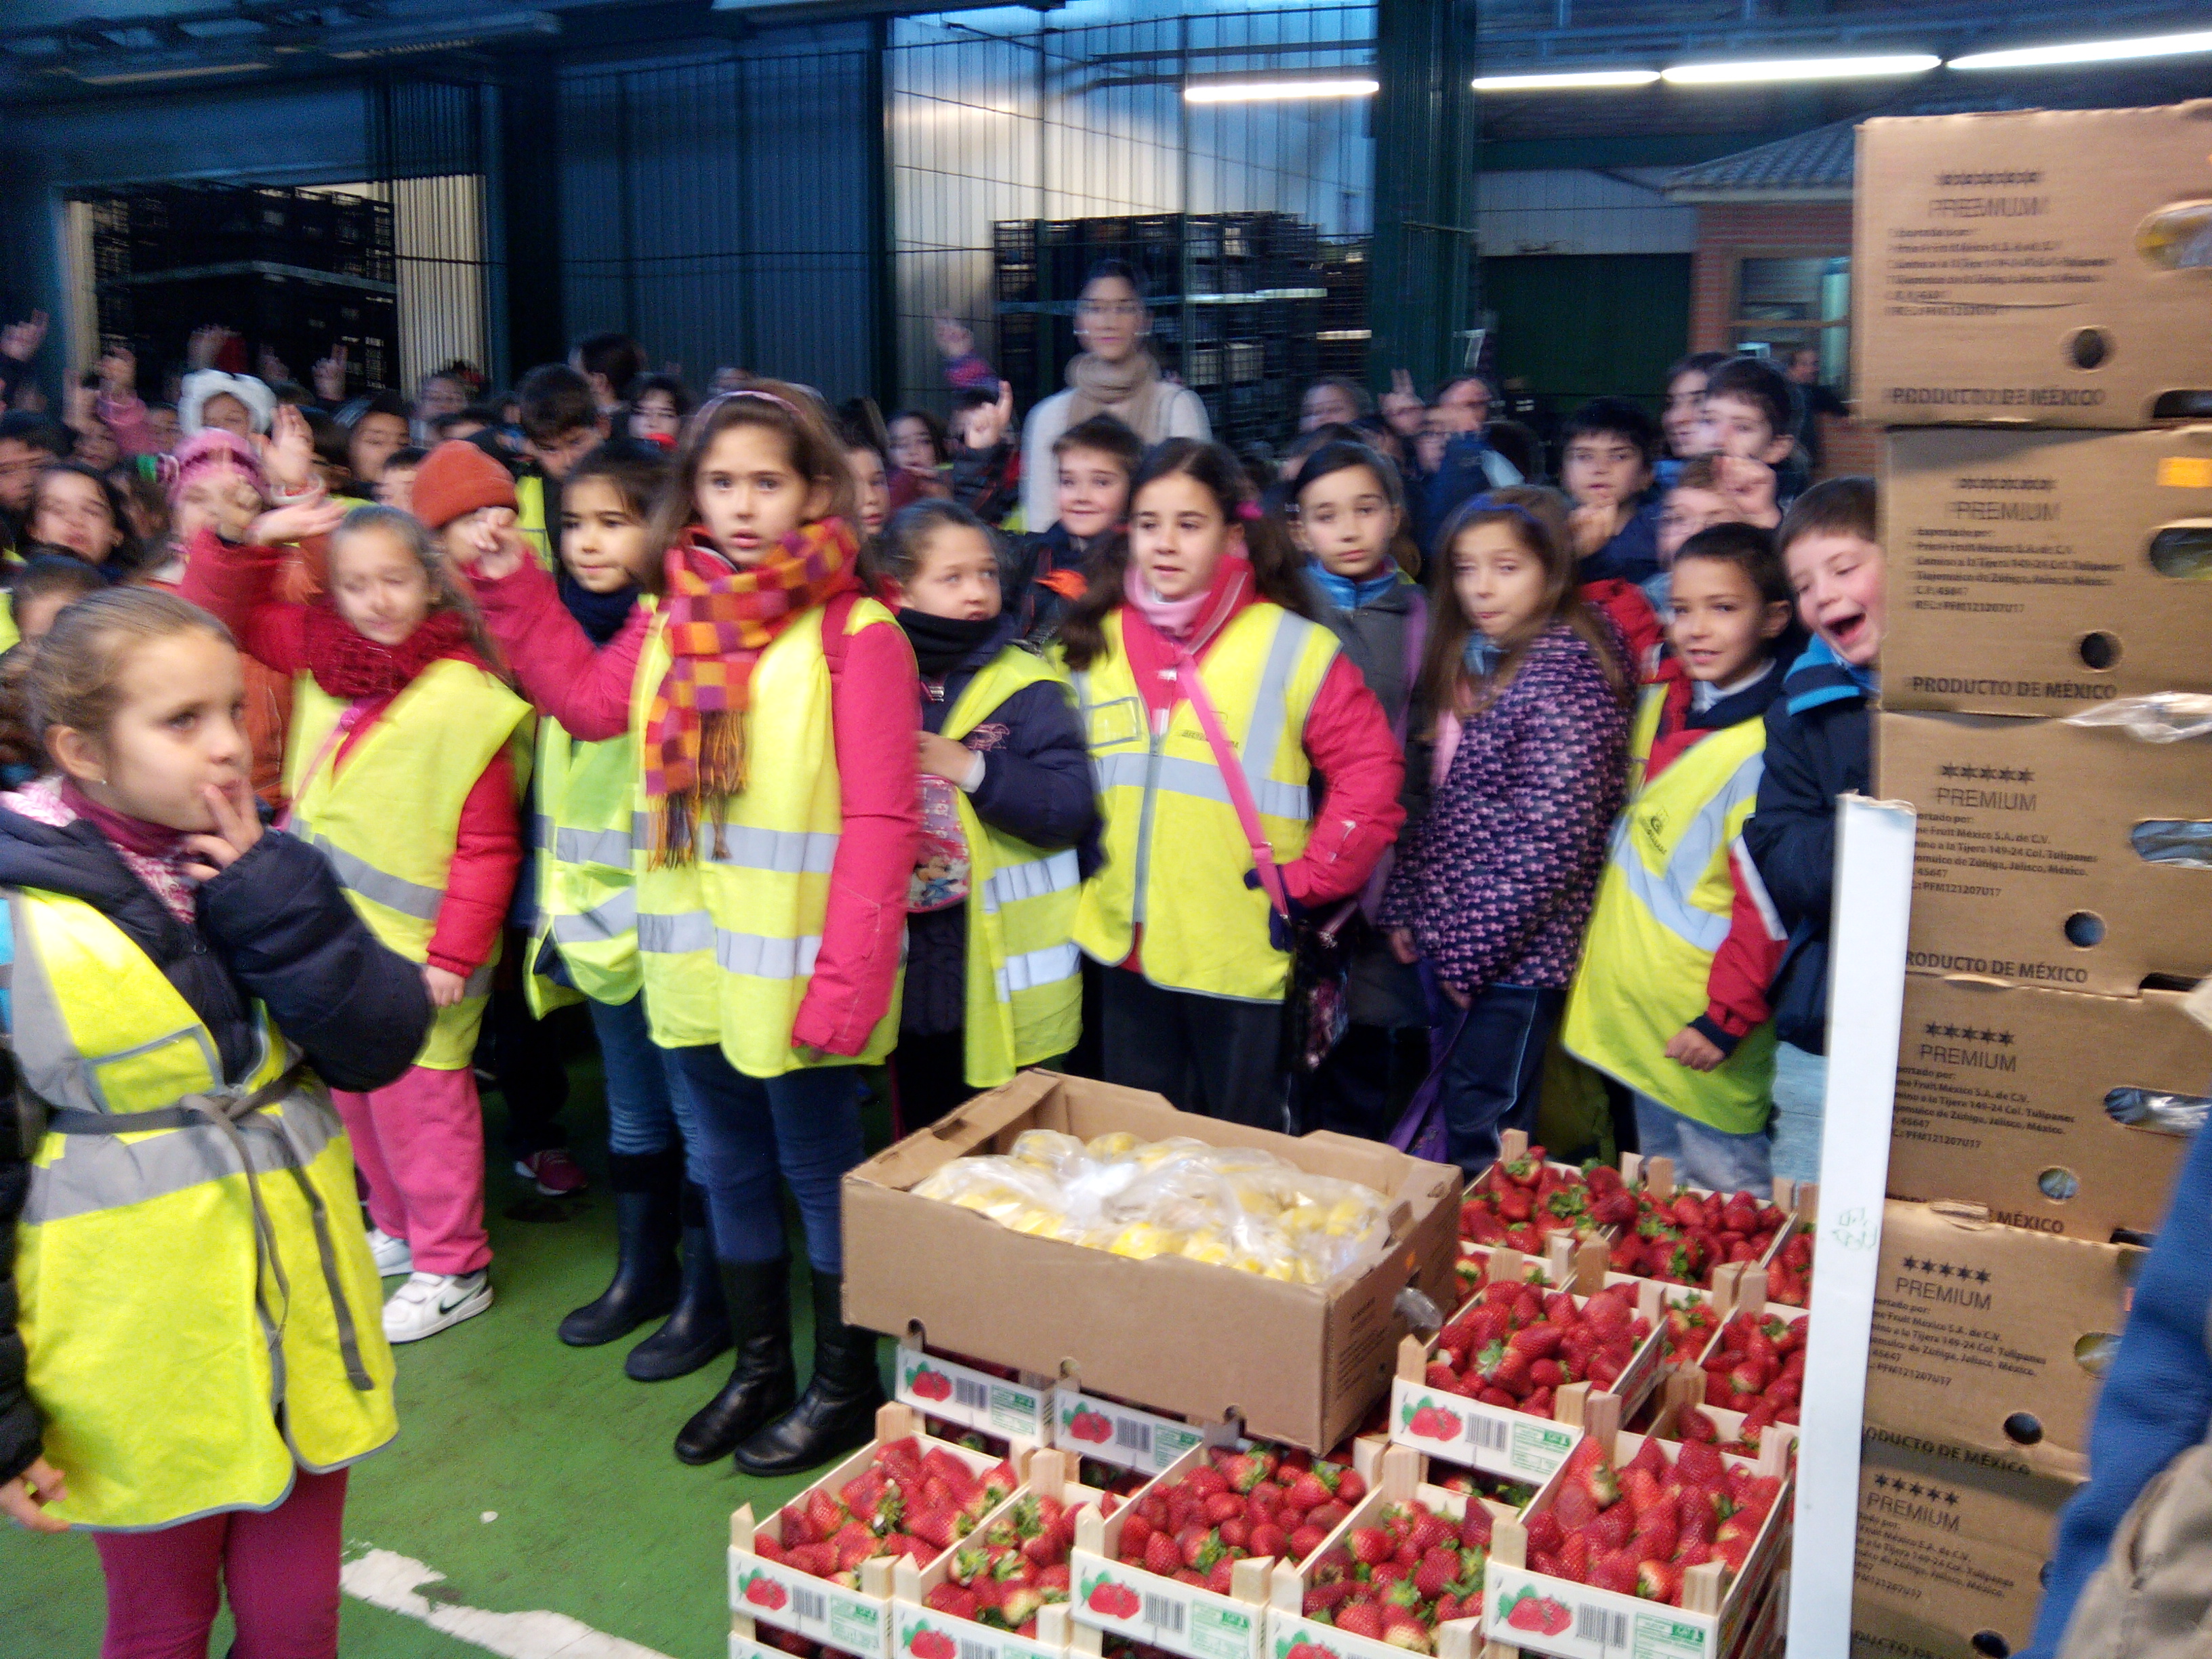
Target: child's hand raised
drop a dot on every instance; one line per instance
(495, 550)
(300, 521)
(1693, 1048)
(446, 988)
(237, 827)
(1747, 487)
(24, 1499)
(1592, 526)
(289, 450)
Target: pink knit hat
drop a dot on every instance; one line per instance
(210, 448)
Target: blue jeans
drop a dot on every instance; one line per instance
(648, 1108)
(1801, 1093)
(804, 1126)
(1704, 1156)
(1494, 1076)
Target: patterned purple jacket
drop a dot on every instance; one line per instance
(1497, 878)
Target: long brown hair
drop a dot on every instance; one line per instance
(1274, 559)
(791, 411)
(1537, 519)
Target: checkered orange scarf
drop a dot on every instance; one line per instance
(717, 625)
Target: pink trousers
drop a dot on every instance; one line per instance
(280, 1569)
(419, 1145)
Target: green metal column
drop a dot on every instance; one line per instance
(1423, 295)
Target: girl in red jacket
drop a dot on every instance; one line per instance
(774, 709)
(400, 769)
(1199, 619)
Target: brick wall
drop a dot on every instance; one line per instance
(1729, 233)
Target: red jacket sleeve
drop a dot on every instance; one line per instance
(875, 710)
(238, 584)
(487, 854)
(127, 419)
(584, 687)
(1362, 768)
(1744, 967)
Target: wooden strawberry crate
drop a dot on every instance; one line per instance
(1113, 1598)
(1513, 1149)
(1495, 1438)
(1018, 1410)
(1684, 1390)
(922, 1632)
(1654, 1177)
(1538, 1612)
(1748, 1299)
(1292, 1635)
(855, 1621)
(1124, 1436)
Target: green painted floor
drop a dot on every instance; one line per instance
(595, 1518)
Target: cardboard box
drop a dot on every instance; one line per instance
(2003, 273)
(1951, 1544)
(2006, 1098)
(1301, 1364)
(2030, 864)
(2036, 572)
(1992, 1337)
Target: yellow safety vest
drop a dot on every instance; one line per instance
(742, 924)
(587, 886)
(157, 1276)
(530, 519)
(1024, 999)
(1176, 856)
(1663, 909)
(387, 820)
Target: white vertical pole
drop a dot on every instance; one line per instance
(1866, 1000)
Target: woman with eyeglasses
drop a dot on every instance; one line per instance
(1116, 374)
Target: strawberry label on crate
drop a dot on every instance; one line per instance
(1162, 1614)
(961, 1393)
(1577, 1622)
(811, 1607)
(1120, 1435)
(922, 1635)
(1463, 1431)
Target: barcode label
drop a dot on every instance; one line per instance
(971, 1394)
(1603, 1625)
(808, 1604)
(1489, 1433)
(1164, 1612)
(1132, 1435)
(977, 1649)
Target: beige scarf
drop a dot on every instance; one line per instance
(1131, 392)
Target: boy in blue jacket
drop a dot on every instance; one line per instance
(1819, 745)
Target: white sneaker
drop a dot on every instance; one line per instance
(393, 1255)
(429, 1303)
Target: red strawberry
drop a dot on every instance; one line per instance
(1304, 1541)
(1574, 1558)
(1615, 1571)
(1613, 1527)
(1360, 1619)
(1306, 1493)
(1371, 1545)
(939, 1529)
(1436, 1571)
(1161, 1556)
(1474, 1527)
(1135, 1529)
(1658, 1581)
(1350, 1487)
(955, 1601)
(1266, 1540)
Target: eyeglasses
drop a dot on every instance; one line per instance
(1128, 310)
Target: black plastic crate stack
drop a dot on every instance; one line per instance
(1237, 301)
(1346, 330)
(296, 270)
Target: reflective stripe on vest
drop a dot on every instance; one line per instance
(1663, 909)
(1204, 931)
(198, 1322)
(785, 852)
(1023, 996)
(388, 815)
(587, 906)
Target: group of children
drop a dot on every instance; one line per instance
(815, 784)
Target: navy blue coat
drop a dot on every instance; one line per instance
(275, 927)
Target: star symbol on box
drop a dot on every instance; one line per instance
(1909, 1264)
(1880, 1480)
(1943, 1270)
(1951, 1498)
(1983, 1277)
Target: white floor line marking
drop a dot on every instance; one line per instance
(386, 1579)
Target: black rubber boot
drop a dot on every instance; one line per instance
(647, 1190)
(837, 1413)
(700, 1328)
(762, 1384)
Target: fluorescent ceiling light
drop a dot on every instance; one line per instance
(1564, 79)
(2088, 51)
(1799, 69)
(181, 72)
(1258, 92)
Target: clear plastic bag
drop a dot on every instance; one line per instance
(2153, 1109)
(2162, 717)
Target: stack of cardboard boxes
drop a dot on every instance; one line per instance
(2034, 327)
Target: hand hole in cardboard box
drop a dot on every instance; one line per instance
(2188, 405)
(2094, 1351)
(2024, 1428)
(2085, 928)
(2157, 1110)
(2183, 551)
(2100, 650)
(2058, 1185)
(2088, 348)
(1988, 1642)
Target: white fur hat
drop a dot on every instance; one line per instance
(260, 402)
